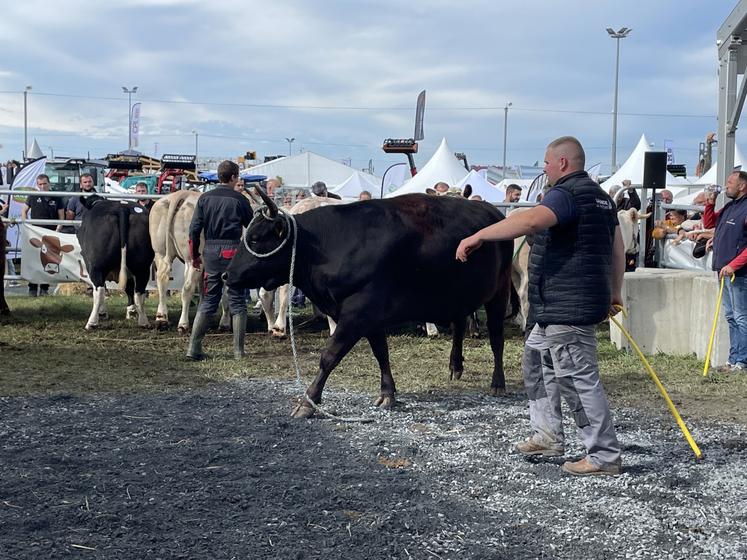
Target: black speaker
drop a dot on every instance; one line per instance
(655, 170)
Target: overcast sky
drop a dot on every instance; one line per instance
(340, 76)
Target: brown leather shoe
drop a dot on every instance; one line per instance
(584, 467)
(531, 447)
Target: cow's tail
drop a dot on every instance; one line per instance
(168, 225)
(124, 233)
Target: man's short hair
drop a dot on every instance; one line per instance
(141, 184)
(227, 170)
(42, 176)
(742, 175)
(513, 187)
(319, 188)
(86, 175)
(574, 151)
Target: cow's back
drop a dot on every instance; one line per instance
(406, 247)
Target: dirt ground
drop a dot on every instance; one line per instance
(113, 446)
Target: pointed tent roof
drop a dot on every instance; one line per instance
(303, 170)
(356, 184)
(443, 166)
(710, 176)
(480, 185)
(633, 168)
(35, 151)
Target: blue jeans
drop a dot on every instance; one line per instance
(735, 309)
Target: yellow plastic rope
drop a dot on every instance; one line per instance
(713, 328)
(662, 390)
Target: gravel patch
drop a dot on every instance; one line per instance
(224, 472)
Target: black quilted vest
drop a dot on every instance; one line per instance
(570, 266)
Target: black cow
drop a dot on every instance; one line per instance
(114, 240)
(374, 264)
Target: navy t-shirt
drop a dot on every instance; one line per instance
(562, 204)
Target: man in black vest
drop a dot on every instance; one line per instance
(219, 215)
(576, 269)
(729, 257)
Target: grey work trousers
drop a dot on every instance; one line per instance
(562, 360)
(216, 257)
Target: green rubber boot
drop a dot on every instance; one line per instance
(199, 328)
(238, 322)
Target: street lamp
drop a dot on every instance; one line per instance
(505, 133)
(129, 93)
(25, 121)
(196, 137)
(617, 35)
(290, 145)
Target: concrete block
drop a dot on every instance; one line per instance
(671, 311)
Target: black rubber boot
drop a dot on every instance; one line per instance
(238, 322)
(199, 328)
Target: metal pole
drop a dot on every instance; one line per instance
(25, 123)
(614, 109)
(505, 135)
(129, 121)
(196, 144)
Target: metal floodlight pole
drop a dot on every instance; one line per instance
(290, 145)
(196, 143)
(129, 93)
(505, 135)
(617, 35)
(25, 121)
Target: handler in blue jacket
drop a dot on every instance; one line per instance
(576, 269)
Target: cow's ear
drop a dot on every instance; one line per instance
(35, 242)
(67, 248)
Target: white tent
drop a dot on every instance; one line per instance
(633, 169)
(480, 185)
(35, 151)
(303, 170)
(356, 184)
(709, 177)
(443, 166)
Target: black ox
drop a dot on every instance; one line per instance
(375, 264)
(115, 241)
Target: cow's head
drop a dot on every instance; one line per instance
(629, 228)
(50, 251)
(253, 266)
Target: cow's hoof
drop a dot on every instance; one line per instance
(144, 325)
(91, 326)
(456, 374)
(275, 333)
(385, 401)
(224, 328)
(182, 329)
(161, 325)
(303, 410)
(104, 316)
(498, 391)
(131, 312)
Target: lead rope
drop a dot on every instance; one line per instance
(290, 220)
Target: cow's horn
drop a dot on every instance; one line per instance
(271, 206)
(644, 216)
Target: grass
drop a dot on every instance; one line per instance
(45, 350)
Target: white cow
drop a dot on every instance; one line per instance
(169, 222)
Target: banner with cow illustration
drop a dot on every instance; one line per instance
(50, 257)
